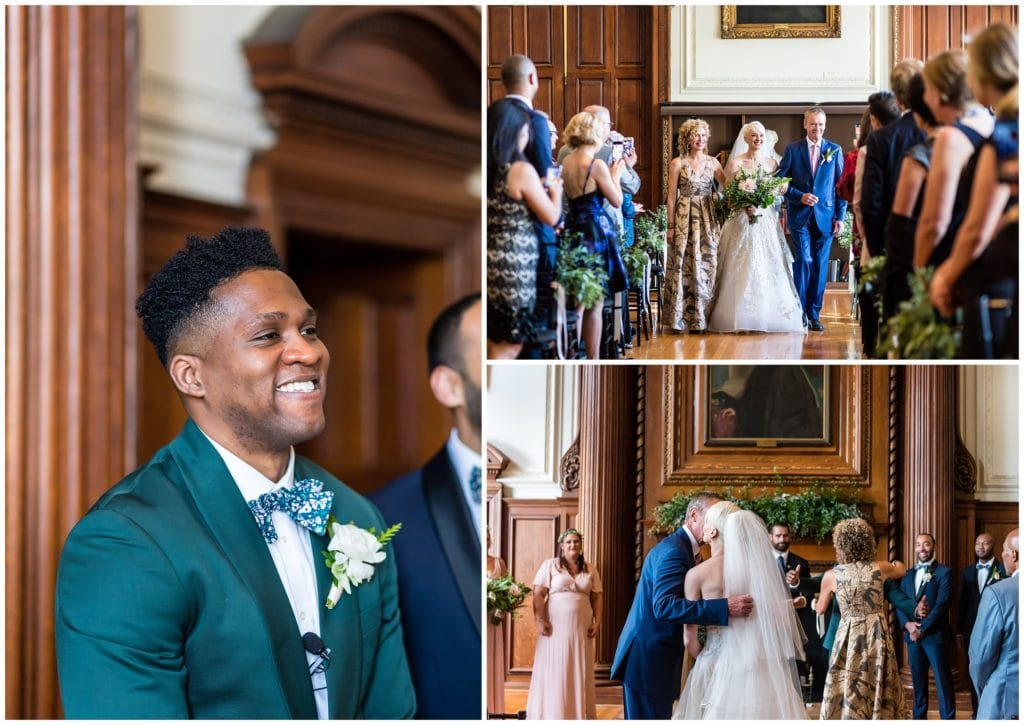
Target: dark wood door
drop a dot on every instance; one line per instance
(584, 55)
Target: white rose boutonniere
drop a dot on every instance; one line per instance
(352, 555)
(927, 577)
(829, 154)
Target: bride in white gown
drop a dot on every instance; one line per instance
(747, 670)
(755, 289)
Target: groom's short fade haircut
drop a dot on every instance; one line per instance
(178, 297)
(815, 111)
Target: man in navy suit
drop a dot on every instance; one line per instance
(885, 149)
(975, 579)
(649, 656)
(928, 640)
(519, 77)
(438, 553)
(813, 211)
(995, 663)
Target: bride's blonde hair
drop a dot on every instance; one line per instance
(714, 517)
(748, 127)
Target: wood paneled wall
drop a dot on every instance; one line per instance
(72, 258)
(921, 31)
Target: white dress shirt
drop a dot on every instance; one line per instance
(463, 460)
(292, 554)
(983, 574)
(919, 574)
(694, 545)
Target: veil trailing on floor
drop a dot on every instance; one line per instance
(755, 677)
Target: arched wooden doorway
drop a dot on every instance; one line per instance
(370, 193)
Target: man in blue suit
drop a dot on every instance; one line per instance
(976, 578)
(438, 553)
(995, 668)
(813, 212)
(928, 640)
(649, 656)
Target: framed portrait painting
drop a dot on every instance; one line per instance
(781, 21)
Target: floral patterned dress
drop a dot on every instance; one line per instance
(512, 254)
(863, 681)
(692, 266)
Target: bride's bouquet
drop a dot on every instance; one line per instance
(504, 596)
(759, 189)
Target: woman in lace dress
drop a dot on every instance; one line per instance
(692, 265)
(863, 681)
(515, 195)
(567, 596)
(755, 268)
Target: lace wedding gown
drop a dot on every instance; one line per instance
(755, 289)
(747, 670)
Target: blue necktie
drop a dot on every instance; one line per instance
(305, 501)
(474, 483)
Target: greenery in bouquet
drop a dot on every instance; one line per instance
(580, 272)
(917, 331)
(504, 596)
(758, 189)
(845, 237)
(721, 209)
(811, 514)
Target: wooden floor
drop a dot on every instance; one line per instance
(515, 701)
(839, 341)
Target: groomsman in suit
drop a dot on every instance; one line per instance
(885, 149)
(521, 82)
(194, 588)
(814, 213)
(928, 640)
(649, 656)
(995, 668)
(816, 660)
(973, 582)
(438, 551)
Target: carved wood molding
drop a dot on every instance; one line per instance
(569, 471)
(496, 462)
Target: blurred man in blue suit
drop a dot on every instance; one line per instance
(813, 211)
(438, 554)
(649, 656)
(995, 668)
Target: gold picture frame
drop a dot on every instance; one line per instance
(781, 21)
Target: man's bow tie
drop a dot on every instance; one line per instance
(305, 501)
(922, 566)
(985, 566)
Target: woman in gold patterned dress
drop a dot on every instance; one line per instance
(863, 681)
(693, 236)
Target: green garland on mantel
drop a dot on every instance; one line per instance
(811, 514)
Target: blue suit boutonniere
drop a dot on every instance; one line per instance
(829, 154)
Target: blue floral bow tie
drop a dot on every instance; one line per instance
(305, 501)
(985, 566)
(922, 566)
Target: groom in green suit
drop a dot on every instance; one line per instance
(186, 590)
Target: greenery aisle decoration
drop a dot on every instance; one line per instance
(917, 331)
(649, 231)
(845, 237)
(580, 272)
(635, 258)
(811, 514)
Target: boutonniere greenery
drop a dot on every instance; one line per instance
(829, 154)
(927, 576)
(352, 555)
(995, 574)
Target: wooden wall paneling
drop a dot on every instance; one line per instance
(537, 32)
(72, 256)
(997, 518)
(921, 31)
(366, 187)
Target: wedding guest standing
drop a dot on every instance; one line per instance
(966, 124)
(692, 264)
(928, 640)
(882, 161)
(515, 197)
(495, 641)
(995, 663)
(567, 595)
(906, 206)
(992, 74)
(813, 213)
(863, 681)
(589, 182)
(975, 579)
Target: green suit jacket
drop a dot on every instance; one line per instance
(168, 605)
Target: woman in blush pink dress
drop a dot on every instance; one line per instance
(567, 609)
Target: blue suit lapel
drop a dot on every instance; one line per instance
(223, 510)
(805, 154)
